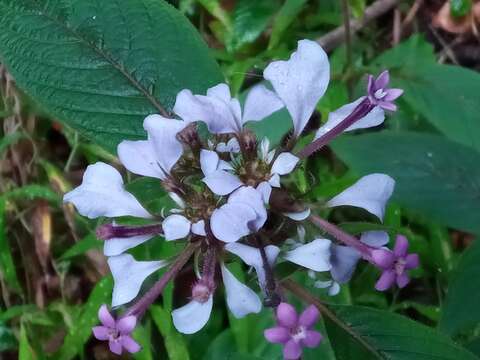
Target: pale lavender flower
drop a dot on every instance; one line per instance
(380, 94)
(116, 332)
(294, 332)
(394, 264)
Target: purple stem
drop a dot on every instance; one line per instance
(359, 112)
(139, 308)
(342, 236)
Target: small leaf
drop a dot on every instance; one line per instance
(7, 264)
(31, 192)
(25, 351)
(81, 247)
(460, 8)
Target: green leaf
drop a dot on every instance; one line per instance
(143, 335)
(7, 265)
(459, 8)
(460, 311)
(25, 351)
(150, 193)
(174, 342)
(365, 333)
(7, 338)
(287, 14)
(433, 175)
(79, 248)
(31, 192)
(81, 330)
(101, 67)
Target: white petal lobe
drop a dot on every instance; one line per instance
(117, 246)
(284, 163)
(193, 316)
(260, 103)
(314, 255)
(175, 227)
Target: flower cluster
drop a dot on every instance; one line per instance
(228, 193)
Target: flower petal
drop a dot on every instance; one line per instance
(253, 198)
(412, 261)
(221, 92)
(382, 80)
(371, 193)
(401, 246)
(208, 161)
(284, 164)
(129, 344)
(266, 190)
(115, 346)
(344, 260)
(286, 315)
(274, 180)
(216, 113)
(241, 300)
(128, 275)
(175, 227)
(198, 228)
(386, 280)
(375, 239)
(222, 182)
(230, 222)
(309, 316)
(193, 316)
(140, 158)
(105, 317)
(277, 335)
(301, 81)
(260, 103)
(374, 118)
(101, 332)
(162, 132)
(232, 146)
(102, 194)
(117, 246)
(393, 94)
(383, 258)
(312, 339)
(292, 350)
(403, 280)
(315, 255)
(125, 325)
(299, 216)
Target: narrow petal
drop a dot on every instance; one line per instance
(301, 81)
(105, 317)
(375, 239)
(260, 103)
(284, 163)
(309, 316)
(128, 275)
(162, 132)
(117, 246)
(401, 246)
(266, 190)
(175, 227)
(383, 258)
(393, 94)
(386, 105)
(277, 335)
(292, 350)
(101, 332)
(241, 300)
(312, 339)
(315, 255)
(222, 182)
(115, 346)
(371, 84)
(344, 260)
(198, 228)
(286, 315)
(216, 113)
(232, 146)
(193, 316)
(275, 180)
(412, 261)
(299, 216)
(403, 280)
(140, 158)
(230, 222)
(382, 80)
(129, 344)
(208, 161)
(371, 193)
(374, 118)
(125, 325)
(386, 280)
(102, 194)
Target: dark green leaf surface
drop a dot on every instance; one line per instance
(433, 175)
(460, 311)
(370, 334)
(102, 66)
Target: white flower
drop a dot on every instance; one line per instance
(221, 112)
(217, 175)
(314, 255)
(300, 81)
(371, 193)
(243, 214)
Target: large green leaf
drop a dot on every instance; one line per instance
(433, 175)
(365, 333)
(102, 66)
(460, 311)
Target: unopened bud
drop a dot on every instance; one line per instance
(189, 136)
(200, 292)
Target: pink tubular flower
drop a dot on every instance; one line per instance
(117, 332)
(293, 331)
(379, 94)
(394, 264)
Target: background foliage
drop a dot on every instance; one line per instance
(78, 76)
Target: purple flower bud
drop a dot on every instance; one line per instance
(294, 332)
(379, 94)
(116, 332)
(394, 264)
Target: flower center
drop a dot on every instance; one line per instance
(200, 292)
(114, 334)
(380, 94)
(400, 266)
(298, 333)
